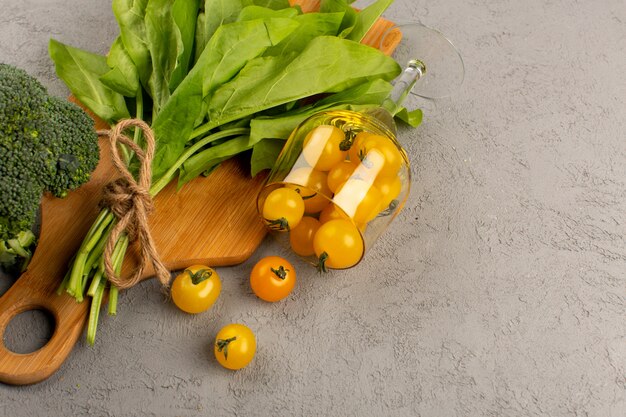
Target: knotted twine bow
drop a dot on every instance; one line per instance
(130, 202)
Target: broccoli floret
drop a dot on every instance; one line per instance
(46, 144)
(74, 144)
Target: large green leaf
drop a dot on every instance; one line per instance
(81, 72)
(165, 45)
(328, 64)
(260, 12)
(130, 18)
(366, 18)
(185, 14)
(123, 76)
(228, 51)
(349, 18)
(371, 93)
(217, 13)
(311, 26)
(264, 154)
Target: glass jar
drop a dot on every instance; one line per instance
(340, 180)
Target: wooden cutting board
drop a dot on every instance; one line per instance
(211, 221)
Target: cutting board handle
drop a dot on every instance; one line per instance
(69, 320)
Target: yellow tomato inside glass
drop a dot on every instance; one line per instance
(392, 155)
(338, 244)
(340, 174)
(389, 187)
(312, 185)
(283, 209)
(322, 147)
(301, 236)
(359, 199)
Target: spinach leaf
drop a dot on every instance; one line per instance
(228, 51)
(327, 64)
(350, 15)
(217, 13)
(371, 93)
(412, 118)
(264, 154)
(201, 36)
(207, 159)
(311, 26)
(130, 19)
(123, 77)
(273, 4)
(185, 14)
(259, 12)
(366, 19)
(81, 72)
(165, 45)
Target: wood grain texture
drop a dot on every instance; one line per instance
(211, 221)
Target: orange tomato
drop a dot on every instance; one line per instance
(301, 237)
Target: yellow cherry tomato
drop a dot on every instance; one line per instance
(235, 346)
(389, 187)
(283, 209)
(338, 244)
(301, 236)
(360, 200)
(196, 289)
(332, 212)
(340, 174)
(393, 156)
(272, 278)
(322, 147)
(312, 185)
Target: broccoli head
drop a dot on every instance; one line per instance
(46, 144)
(73, 144)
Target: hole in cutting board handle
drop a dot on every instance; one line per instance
(29, 331)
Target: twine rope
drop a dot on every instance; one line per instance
(129, 200)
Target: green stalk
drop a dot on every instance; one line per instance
(78, 267)
(94, 312)
(169, 174)
(113, 293)
(98, 250)
(95, 281)
(64, 283)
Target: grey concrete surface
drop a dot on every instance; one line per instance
(499, 291)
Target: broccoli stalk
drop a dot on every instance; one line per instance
(46, 145)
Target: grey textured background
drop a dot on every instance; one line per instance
(499, 291)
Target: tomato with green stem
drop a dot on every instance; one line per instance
(312, 185)
(283, 209)
(392, 155)
(338, 244)
(272, 278)
(196, 289)
(390, 188)
(235, 346)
